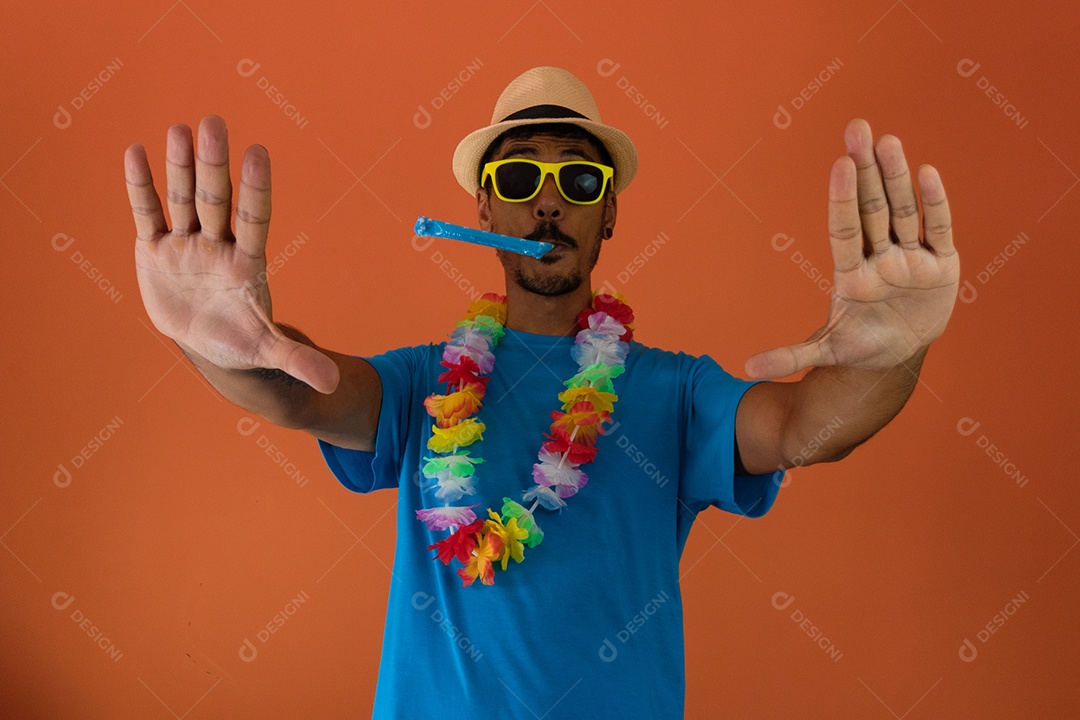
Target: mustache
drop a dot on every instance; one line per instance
(549, 231)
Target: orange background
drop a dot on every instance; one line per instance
(180, 538)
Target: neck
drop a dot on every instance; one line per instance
(543, 315)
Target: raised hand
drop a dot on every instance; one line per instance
(894, 287)
(202, 285)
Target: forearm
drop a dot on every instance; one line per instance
(834, 409)
(348, 417)
(273, 394)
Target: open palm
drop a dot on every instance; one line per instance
(895, 279)
(202, 285)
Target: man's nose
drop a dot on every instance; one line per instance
(548, 204)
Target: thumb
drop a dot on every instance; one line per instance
(305, 363)
(783, 361)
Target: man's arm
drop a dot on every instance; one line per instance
(206, 288)
(894, 290)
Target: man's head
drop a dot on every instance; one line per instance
(576, 230)
(546, 114)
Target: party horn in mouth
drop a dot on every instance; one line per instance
(426, 227)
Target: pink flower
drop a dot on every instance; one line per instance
(441, 518)
(566, 480)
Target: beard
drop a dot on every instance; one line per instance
(553, 285)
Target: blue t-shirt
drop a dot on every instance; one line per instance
(590, 624)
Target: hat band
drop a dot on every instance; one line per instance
(544, 111)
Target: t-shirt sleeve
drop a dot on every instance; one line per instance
(361, 471)
(711, 398)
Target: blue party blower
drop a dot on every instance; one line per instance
(426, 227)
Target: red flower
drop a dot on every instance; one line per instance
(576, 452)
(614, 307)
(460, 544)
(462, 373)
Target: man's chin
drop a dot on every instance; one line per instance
(547, 285)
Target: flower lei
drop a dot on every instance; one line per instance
(600, 350)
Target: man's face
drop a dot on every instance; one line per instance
(576, 231)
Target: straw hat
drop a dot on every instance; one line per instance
(544, 95)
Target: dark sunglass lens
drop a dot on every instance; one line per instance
(582, 182)
(517, 180)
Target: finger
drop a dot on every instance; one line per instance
(180, 166)
(213, 189)
(783, 361)
(845, 230)
(253, 202)
(873, 209)
(903, 209)
(144, 200)
(304, 362)
(937, 220)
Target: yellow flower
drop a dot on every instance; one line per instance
(510, 536)
(466, 432)
(451, 409)
(601, 401)
(480, 565)
(483, 306)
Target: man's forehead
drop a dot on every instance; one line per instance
(534, 145)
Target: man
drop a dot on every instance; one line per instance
(578, 608)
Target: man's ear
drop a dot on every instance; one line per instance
(483, 209)
(611, 208)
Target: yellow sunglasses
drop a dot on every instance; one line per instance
(520, 179)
